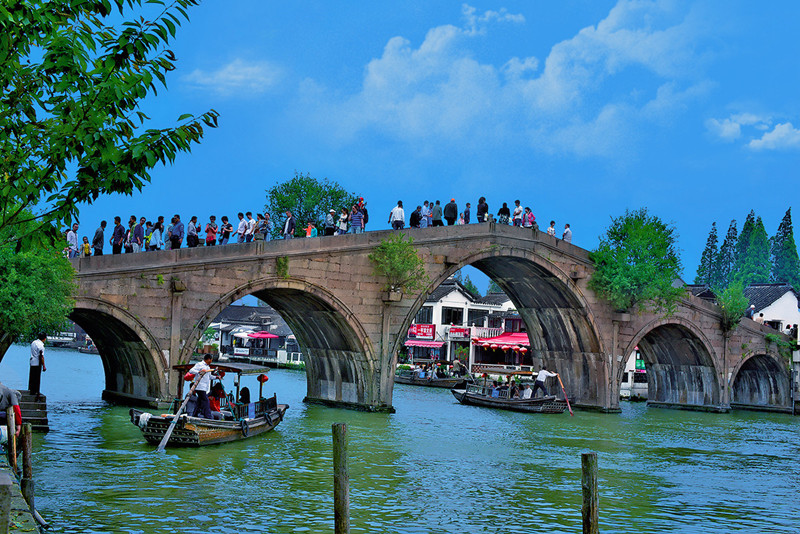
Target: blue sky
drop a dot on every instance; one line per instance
(580, 109)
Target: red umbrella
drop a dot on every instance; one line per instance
(261, 335)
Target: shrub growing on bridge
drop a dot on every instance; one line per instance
(637, 263)
(396, 260)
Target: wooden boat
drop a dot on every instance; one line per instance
(476, 395)
(240, 421)
(412, 378)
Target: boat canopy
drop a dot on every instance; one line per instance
(228, 367)
(419, 343)
(508, 339)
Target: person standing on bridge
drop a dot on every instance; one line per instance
(436, 214)
(551, 230)
(99, 239)
(567, 236)
(543, 375)
(330, 222)
(425, 214)
(72, 240)
(225, 231)
(356, 220)
(241, 229)
(118, 236)
(451, 212)
(250, 232)
(37, 365)
(415, 217)
(289, 226)
(482, 210)
(517, 216)
(211, 231)
(467, 213)
(176, 237)
(397, 217)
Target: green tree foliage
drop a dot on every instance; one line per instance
(785, 262)
(733, 304)
(637, 263)
(309, 200)
(752, 253)
(396, 260)
(705, 272)
(74, 74)
(468, 284)
(723, 272)
(493, 287)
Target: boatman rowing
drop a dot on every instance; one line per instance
(203, 406)
(540, 378)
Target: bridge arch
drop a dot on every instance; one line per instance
(761, 381)
(682, 367)
(134, 366)
(341, 363)
(561, 327)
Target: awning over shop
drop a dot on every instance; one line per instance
(507, 338)
(429, 344)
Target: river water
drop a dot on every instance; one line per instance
(433, 467)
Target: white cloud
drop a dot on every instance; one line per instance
(783, 136)
(583, 101)
(237, 77)
(730, 129)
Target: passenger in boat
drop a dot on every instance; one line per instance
(513, 392)
(244, 396)
(526, 391)
(217, 393)
(540, 378)
(203, 369)
(494, 391)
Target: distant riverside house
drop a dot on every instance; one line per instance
(241, 319)
(778, 302)
(451, 316)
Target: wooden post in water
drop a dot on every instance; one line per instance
(26, 484)
(12, 440)
(591, 501)
(341, 480)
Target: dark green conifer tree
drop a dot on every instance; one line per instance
(753, 265)
(739, 271)
(723, 270)
(785, 262)
(705, 272)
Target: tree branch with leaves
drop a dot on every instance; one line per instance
(396, 260)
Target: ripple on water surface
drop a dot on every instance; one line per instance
(434, 466)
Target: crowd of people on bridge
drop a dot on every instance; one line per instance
(141, 235)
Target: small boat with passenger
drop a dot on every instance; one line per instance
(237, 419)
(489, 397)
(434, 376)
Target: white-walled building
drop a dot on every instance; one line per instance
(778, 302)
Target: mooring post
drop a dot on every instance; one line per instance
(341, 480)
(5, 502)
(590, 509)
(12, 440)
(26, 484)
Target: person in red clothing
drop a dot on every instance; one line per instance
(217, 393)
(9, 400)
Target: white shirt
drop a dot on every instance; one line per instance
(37, 349)
(251, 227)
(72, 239)
(398, 214)
(526, 393)
(242, 227)
(518, 212)
(543, 374)
(205, 381)
(551, 230)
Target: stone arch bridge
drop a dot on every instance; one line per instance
(146, 311)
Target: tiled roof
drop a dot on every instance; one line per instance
(256, 316)
(494, 298)
(448, 286)
(763, 295)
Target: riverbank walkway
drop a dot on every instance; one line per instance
(19, 513)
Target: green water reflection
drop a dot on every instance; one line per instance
(432, 467)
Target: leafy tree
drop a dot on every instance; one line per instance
(785, 262)
(723, 273)
(309, 200)
(705, 272)
(396, 260)
(493, 287)
(471, 287)
(637, 262)
(733, 304)
(752, 253)
(73, 78)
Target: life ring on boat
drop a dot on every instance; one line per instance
(245, 428)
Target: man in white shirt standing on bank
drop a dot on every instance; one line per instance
(37, 365)
(540, 379)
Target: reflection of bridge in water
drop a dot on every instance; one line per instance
(147, 311)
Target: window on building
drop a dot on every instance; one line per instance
(452, 316)
(424, 315)
(476, 317)
(514, 325)
(495, 322)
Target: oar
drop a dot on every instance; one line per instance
(174, 422)
(565, 394)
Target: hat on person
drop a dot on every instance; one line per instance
(332, 211)
(452, 200)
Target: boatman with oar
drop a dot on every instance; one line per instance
(203, 369)
(540, 378)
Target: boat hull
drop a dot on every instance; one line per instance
(537, 405)
(448, 383)
(198, 432)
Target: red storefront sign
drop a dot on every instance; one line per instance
(422, 331)
(458, 332)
